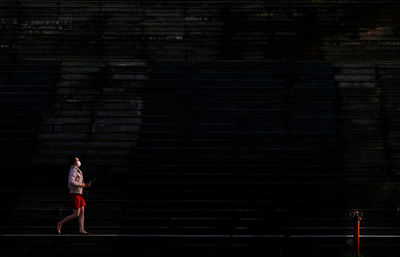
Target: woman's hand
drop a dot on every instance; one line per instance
(87, 185)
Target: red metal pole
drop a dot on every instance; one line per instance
(356, 231)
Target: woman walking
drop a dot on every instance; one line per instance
(76, 185)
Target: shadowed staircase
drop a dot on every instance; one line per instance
(237, 159)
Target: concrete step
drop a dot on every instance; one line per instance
(196, 245)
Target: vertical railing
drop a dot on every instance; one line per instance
(357, 217)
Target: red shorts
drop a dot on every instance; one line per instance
(77, 201)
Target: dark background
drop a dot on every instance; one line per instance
(211, 127)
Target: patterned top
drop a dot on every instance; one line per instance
(75, 178)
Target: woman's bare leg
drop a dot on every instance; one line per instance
(74, 215)
(82, 220)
